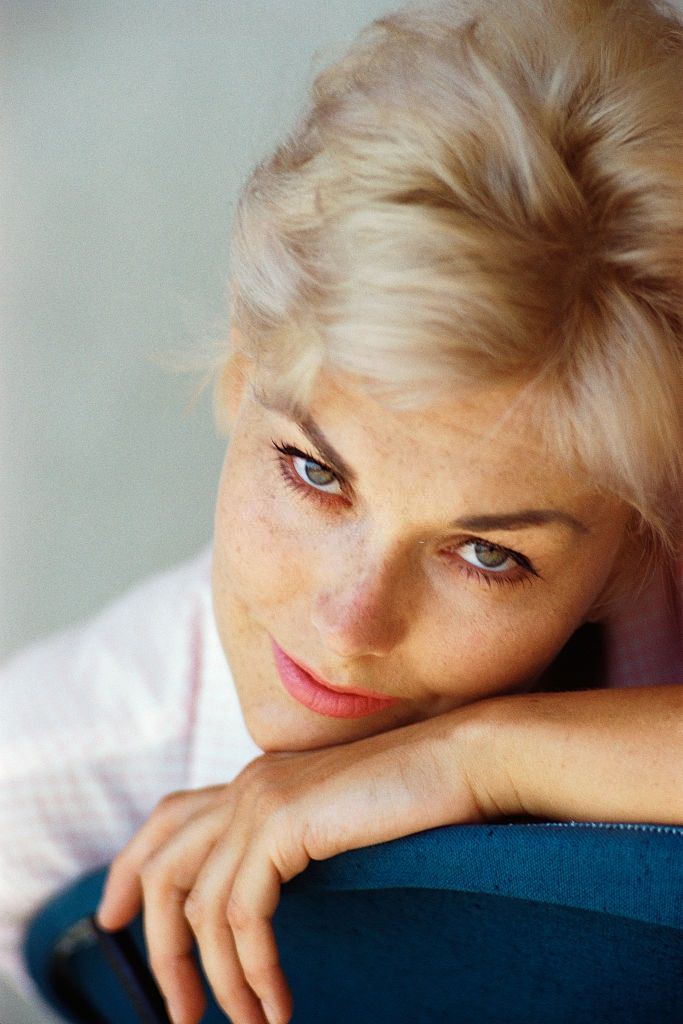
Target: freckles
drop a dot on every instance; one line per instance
(482, 655)
(263, 554)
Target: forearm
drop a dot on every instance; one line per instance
(595, 755)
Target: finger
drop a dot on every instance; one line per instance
(221, 964)
(255, 943)
(205, 911)
(175, 971)
(166, 879)
(121, 900)
(253, 901)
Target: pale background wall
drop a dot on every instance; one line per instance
(126, 130)
(129, 127)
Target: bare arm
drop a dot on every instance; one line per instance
(602, 755)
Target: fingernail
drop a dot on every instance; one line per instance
(270, 1013)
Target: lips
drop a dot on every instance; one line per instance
(309, 690)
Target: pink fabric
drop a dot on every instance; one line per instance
(100, 721)
(645, 641)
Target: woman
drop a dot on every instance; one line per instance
(447, 284)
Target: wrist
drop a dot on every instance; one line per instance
(477, 744)
(594, 755)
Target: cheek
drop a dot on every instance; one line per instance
(489, 647)
(516, 641)
(256, 541)
(485, 650)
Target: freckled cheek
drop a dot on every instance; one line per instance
(261, 541)
(483, 657)
(486, 653)
(535, 640)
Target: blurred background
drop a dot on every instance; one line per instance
(127, 129)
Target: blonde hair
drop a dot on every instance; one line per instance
(484, 190)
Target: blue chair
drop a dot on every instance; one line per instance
(511, 923)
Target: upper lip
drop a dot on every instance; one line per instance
(349, 691)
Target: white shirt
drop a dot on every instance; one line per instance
(97, 723)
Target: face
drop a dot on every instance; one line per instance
(432, 557)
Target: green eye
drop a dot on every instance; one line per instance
(316, 475)
(486, 556)
(489, 555)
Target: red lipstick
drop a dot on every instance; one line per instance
(309, 690)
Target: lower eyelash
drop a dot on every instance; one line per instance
(498, 579)
(294, 482)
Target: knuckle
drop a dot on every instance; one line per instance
(169, 803)
(164, 965)
(148, 871)
(234, 994)
(193, 907)
(155, 874)
(259, 975)
(239, 916)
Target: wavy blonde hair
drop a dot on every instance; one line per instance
(483, 190)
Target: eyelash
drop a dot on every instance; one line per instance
(286, 452)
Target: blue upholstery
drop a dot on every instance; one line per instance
(479, 924)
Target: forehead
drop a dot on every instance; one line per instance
(477, 442)
(477, 413)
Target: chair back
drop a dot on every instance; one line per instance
(466, 924)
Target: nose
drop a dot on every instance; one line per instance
(362, 609)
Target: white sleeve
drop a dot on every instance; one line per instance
(94, 730)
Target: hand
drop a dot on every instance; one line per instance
(208, 864)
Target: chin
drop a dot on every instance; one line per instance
(293, 732)
(276, 743)
(275, 731)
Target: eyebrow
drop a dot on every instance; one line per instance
(519, 520)
(523, 519)
(311, 430)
